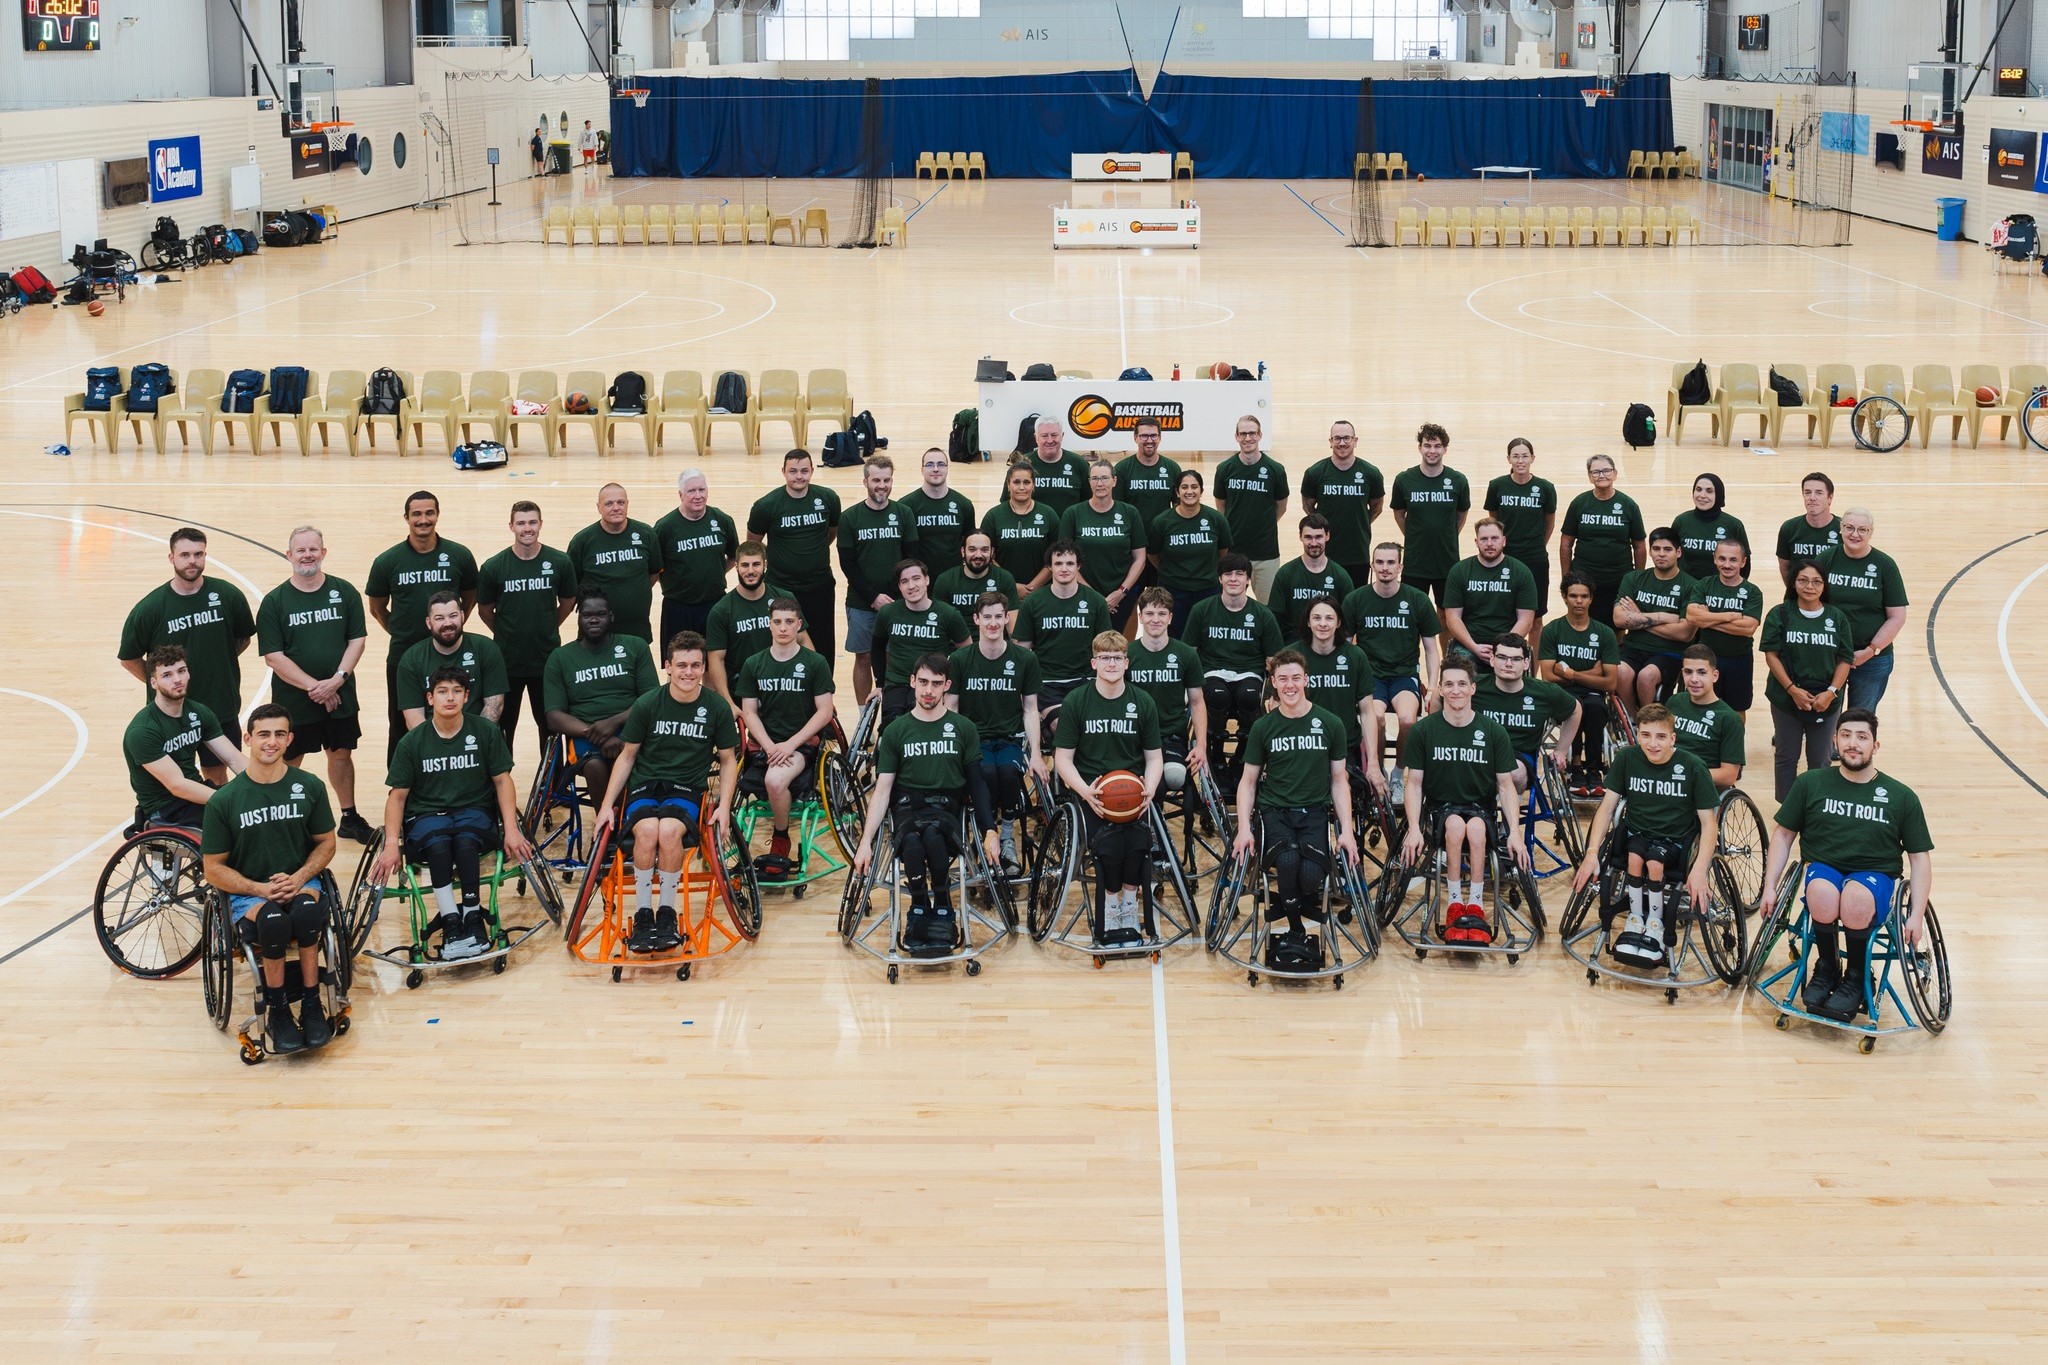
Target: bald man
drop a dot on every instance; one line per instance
(621, 558)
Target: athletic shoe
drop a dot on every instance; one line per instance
(1006, 849)
(666, 936)
(313, 1021)
(354, 826)
(1846, 1001)
(478, 926)
(642, 937)
(1821, 981)
(1472, 928)
(1632, 928)
(459, 945)
(1450, 932)
(1123, 936)
(283, 1032)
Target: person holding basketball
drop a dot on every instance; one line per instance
(1110, 727)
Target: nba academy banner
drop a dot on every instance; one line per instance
(174, 169)
(2012, 158)
(1942, 154)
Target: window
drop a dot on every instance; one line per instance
(1396, 28)
(823, 30)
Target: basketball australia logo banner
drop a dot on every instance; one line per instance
(174, 169)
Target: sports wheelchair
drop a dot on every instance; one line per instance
(150, 905)
(860, 746)
(826, 813)
(220, 945)
(552, 819)
(718, 903)
(1241, 921)
(1550, 802)
(1910, 980)
(1516, 921)
(421, 954)
(1710, 943)
(984, 905)
(1065, 892)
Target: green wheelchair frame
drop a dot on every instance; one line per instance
(419, 954)
(825, 822)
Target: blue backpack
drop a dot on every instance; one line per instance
(147, 384)
(288, 390)
(244, 388)
(1136, 372)
(102, 382)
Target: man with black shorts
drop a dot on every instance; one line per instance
(209, 619)
(798, 524)
(1235, 636)
(1583, 657)
(907, 629)
(1707, 728)
(1109, 726)
(451, 802)
(592, 683)
(925, 761)
(448, 644)
(1146, 479)
(739, 623)
(1059, 478)
(621, 558)
(311, 630)
(1488, 595)
(1649, 608)
(1671, 813)
(1311, 578)
(1853, 823)
(1525, 707)
(523, 594)
(1728, 610)
(995, 684)
(1295, 777)
(1059, 622)
(941, 516)
(1813, 532)
(697, 542)
(1251, 492)
(786, 702)
(164, 742)
(875, 535)
(1430, 500)
(265, 836)
(670, 738)
(1460, 765)
(400, 582)
(1527, 508)
(976, 576)
(1396, 625)
(1347, 493)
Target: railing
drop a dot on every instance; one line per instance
(462, 40)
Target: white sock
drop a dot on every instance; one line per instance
(1654, 922)
(1635, 904)
(668, 888)
(444, 900)
(1130, 907)
(643, 888)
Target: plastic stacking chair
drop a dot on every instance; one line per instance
(1585, 227)
(1434, 222)
(1934, 396)
(1782, 412)
(1675, 411)
(1536, 231)
(109, 421)
(682, 400)
(2021, 386)
(1829, 381)
(709, 223)
(278, 421)
(743, 419)
(645, 422)
(895, 227)
(1657, 225)
(1362, 164)
(583, 219)
(977, 166)
(1560, 226)
(558, 221)
(658, 225)
(1183, 164)
(1407, 223)
(1609, 222)
(489, 392)
(819, 220)
(633, 224)
(782, 222)
(1742, 396)
(2004, 410)
(825, 396)
(340, 406)
(1633, 230)
(926, 165)
(152, 422)
(434, 404)
(1635, 165)
(732, 219)
(757, 219)
(1485, 223)
(779, 400)
(591, 384)
(1462, 231)
(397, 421)
(192, 405)
(535, 386)
(1510, 226)
(1396, 166)
(247, 421)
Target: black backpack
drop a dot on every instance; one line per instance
(147, 384)
(1639, 426)
(1135, 372)
(244, 388)
(628, 394)
(842, 450)
(1695, 390)
(166, 231)
(863, 426)
(1041, 371)
(1240, 372)
(288, 390)
(277, 230)
(385, 395)
(102, 382)
(730, 392)
(964, 445)
(1027, 434)
(1788, 392)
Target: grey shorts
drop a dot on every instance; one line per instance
(860, 629)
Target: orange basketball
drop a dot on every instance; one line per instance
(577, 401)
(1122, 795)
(1220, 370)
(95, 308)
(1986, 395)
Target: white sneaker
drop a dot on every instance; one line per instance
(461, 948)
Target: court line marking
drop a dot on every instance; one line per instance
(77, 748)
(1598, 294)
(2004, 648)
(1311, 208)
(1934, 659)
(1169, 1192)
(609, 311)
(1123, 339)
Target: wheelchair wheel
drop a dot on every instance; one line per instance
(1723, 926)
(1224, 896)
(1879, 423)
(734, 868)
(860, 749)
(1775, 923)
(1519, 887)
(1372, 821)
(2034, 420)
(1564, 813)
(1742, 843)
(540, 881)
(365, 900)
(1050, 869)
(557, 843)
(590, 892)
(149, 908)
(846, 807)
(1581, 905)
(157, 255)
(1621, 730)
(1926, 972)
(217, 944)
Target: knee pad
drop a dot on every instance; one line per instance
(308, 919)
(273, 931)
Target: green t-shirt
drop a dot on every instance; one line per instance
(407, 579)
(1604, 535)
(525, 597)
(1056, 487)
(991, 692)
(1108, 734)
(1663, 803)
(622, 566)
(1149, 488)
(313, 630)
(1337, 682)
(694, 554)
(1715, 595)
(1852, 826)
(444, 774)
(1578, 649)
(798, 533)
(1432, 506)
(1864, 589)
(1166, 676)
(1061, 631)
(872, 541)
(1293, 755)
(929, 755)
(153, 735)
(476, 655)
(784, 691)
(963, 593)
(596, 683)
(1809, 647)
(738, 627)
(1251, 495)
(1189, 548)
(1798, 540)
(1344, 498)
(1230, 641)
(1491, 598)
(679, 740)
(1106, 540)
(267, 828)
(1525, 712)
(1295, 587)
(1021, 537)
(1460, 764)
(1700, 534)
(207, 625)
(1391, 629)
(1712, 733)
(943, 524)
(905, 633)
(1653, 594)
(1523, 509)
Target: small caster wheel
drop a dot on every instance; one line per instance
(1592, 977)
(251, 1058)
(498, 967)
(1337, 982)
(1867, 1046)
(1098, 964)
(1421, 953)
(683, 972)
(341, 1024)
(1670, 996)
(618, 972)
(974, 969)
(1155, 957)
(893, 973)
(1251, 978)
(1513, 958)
(797, 893)
(414, 979)
(1784, 1021)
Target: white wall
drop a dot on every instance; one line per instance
(160, 55)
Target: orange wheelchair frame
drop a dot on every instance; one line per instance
(718, 904)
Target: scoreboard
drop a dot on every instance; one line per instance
(60, 25)
(1753, 33)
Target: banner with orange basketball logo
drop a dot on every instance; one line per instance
(1102, 414)
(1122, 166)
(1126, 227)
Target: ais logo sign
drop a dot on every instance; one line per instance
(174, 170)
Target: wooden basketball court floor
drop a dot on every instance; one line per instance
(788, 1158)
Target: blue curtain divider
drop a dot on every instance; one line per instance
(1235, 127)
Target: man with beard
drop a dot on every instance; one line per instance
(523, 594)
(798, 524)
(400, 582)
(448, 644)
(166, 742)
(312, 632)
(739, 625)
(209, 619)
(976, 575)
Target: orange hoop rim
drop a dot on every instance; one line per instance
(638, 95)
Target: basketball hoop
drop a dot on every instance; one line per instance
(639, 97)
(1593, 94)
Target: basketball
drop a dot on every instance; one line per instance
(577, 401)
(1986, 395)
(1122, 795)
(1220, 370)
(95, 308)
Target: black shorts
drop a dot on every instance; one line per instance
(1666, 662)
(176, 812)
(336, 733)
(753, 778)
(1539, 569)
(916, 811)
(1433, 586)
(1307, 828)
(1673, 854)
(663, 801)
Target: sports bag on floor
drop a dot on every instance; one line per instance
(963, 446)
(842, 450)
(480, 455)
(1639, 426)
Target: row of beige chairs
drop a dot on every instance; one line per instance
(1662, 165)
(438, 403)
(1555, 226)
(1742, 391)
(650, 223)
(1379, 166)
(951, 165)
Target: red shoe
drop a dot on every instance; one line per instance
(1470, 926)
(1450, 933)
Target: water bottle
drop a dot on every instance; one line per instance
(1176, 370)
(1834, 394)
(1262, 369)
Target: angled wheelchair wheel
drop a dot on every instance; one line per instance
(1879, 423)
(846, 807)
(1741, 845)
(1518, 888)
(149, 908)
(1775, 923)
(734, 867)
(1621, 730)
(1723, 927)
(590, 894)
(853, 902)
(2034, 420)
(340, 961)
(546, 891)
(217, 958)
(365, 899)
(1581, 906)
(1925, 968)
(1225, 893)
(1050, 865)
(1564, 813)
